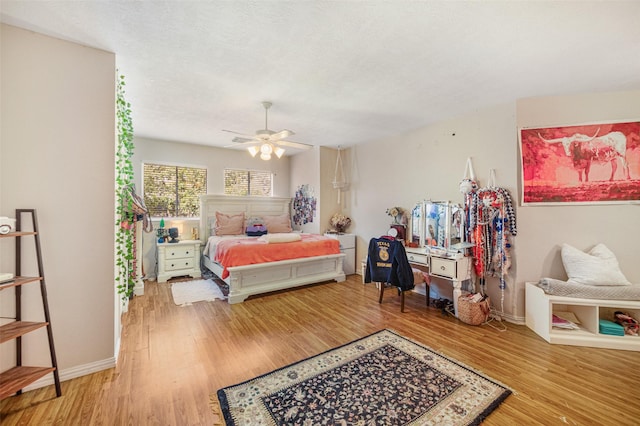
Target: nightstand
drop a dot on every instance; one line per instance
(348, 247)
(179, 259)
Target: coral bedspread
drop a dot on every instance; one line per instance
(249, 251)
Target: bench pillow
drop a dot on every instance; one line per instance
(597, 267)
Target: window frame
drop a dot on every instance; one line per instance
(170, 164)
(249, 171)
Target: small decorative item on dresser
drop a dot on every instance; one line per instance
(173, 233)
(401, 231)
(397, 213)
(340, 222)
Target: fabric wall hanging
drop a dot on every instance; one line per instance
(304, 205)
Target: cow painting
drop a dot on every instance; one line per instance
(584, 150)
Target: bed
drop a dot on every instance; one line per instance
(252, 279)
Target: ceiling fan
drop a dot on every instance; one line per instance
(266, 141)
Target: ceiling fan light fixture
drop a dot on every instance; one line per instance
(265, 141)
(253, 150)
(266, 148)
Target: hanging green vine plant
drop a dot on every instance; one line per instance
(125, 248)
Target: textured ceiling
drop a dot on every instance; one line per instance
(342, 72)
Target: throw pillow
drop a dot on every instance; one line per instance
(229, 224)
(278, 224)
(597, 267)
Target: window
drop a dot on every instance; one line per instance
(172, 191)
(248, 182)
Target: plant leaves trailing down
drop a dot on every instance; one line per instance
(125, 250)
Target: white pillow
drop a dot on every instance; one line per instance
(598, 267)
(280, 238)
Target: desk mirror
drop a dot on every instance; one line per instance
(417, 224)
(442, 224)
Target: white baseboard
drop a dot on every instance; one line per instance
(73, 372)
(511, 318)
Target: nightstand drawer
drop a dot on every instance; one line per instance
(443, 267)
(178, 252)
(177, 264)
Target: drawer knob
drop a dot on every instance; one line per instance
(443, 268)
(187, 251)
(172, 264)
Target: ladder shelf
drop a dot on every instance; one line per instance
(15, 379)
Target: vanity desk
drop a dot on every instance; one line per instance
(453, 267)
(436, 228)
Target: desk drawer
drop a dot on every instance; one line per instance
(178, 252)
(421, 259)
(443, 267)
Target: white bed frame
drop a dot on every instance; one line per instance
(245, 281)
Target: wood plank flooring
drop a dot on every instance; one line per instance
(173, 358)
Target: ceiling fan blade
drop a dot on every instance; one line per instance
(297, 145)
(280, 135)
(242, 140)
(237, 133)
(243, 144)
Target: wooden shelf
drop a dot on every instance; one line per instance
(17, 234)
(16, 378)
(18, 328)
(19, 281)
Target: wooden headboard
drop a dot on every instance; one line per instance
(251, 206)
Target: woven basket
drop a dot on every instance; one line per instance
(473, 313)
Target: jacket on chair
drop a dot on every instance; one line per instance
(387, 263)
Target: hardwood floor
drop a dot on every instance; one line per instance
(173, 358)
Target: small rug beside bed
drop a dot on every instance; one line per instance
(383, 378)
(187, 292)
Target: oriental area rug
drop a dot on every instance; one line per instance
(381, 379)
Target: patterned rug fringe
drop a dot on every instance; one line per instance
(218, 420)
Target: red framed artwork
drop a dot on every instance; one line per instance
(595, 163)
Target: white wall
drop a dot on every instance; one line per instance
(546, 228)
(329, 196)
(429, 163)
(57, 156)
(215, 160)
(305, 170)
(316, 168)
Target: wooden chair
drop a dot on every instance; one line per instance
(388, 265)
(419, 277)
